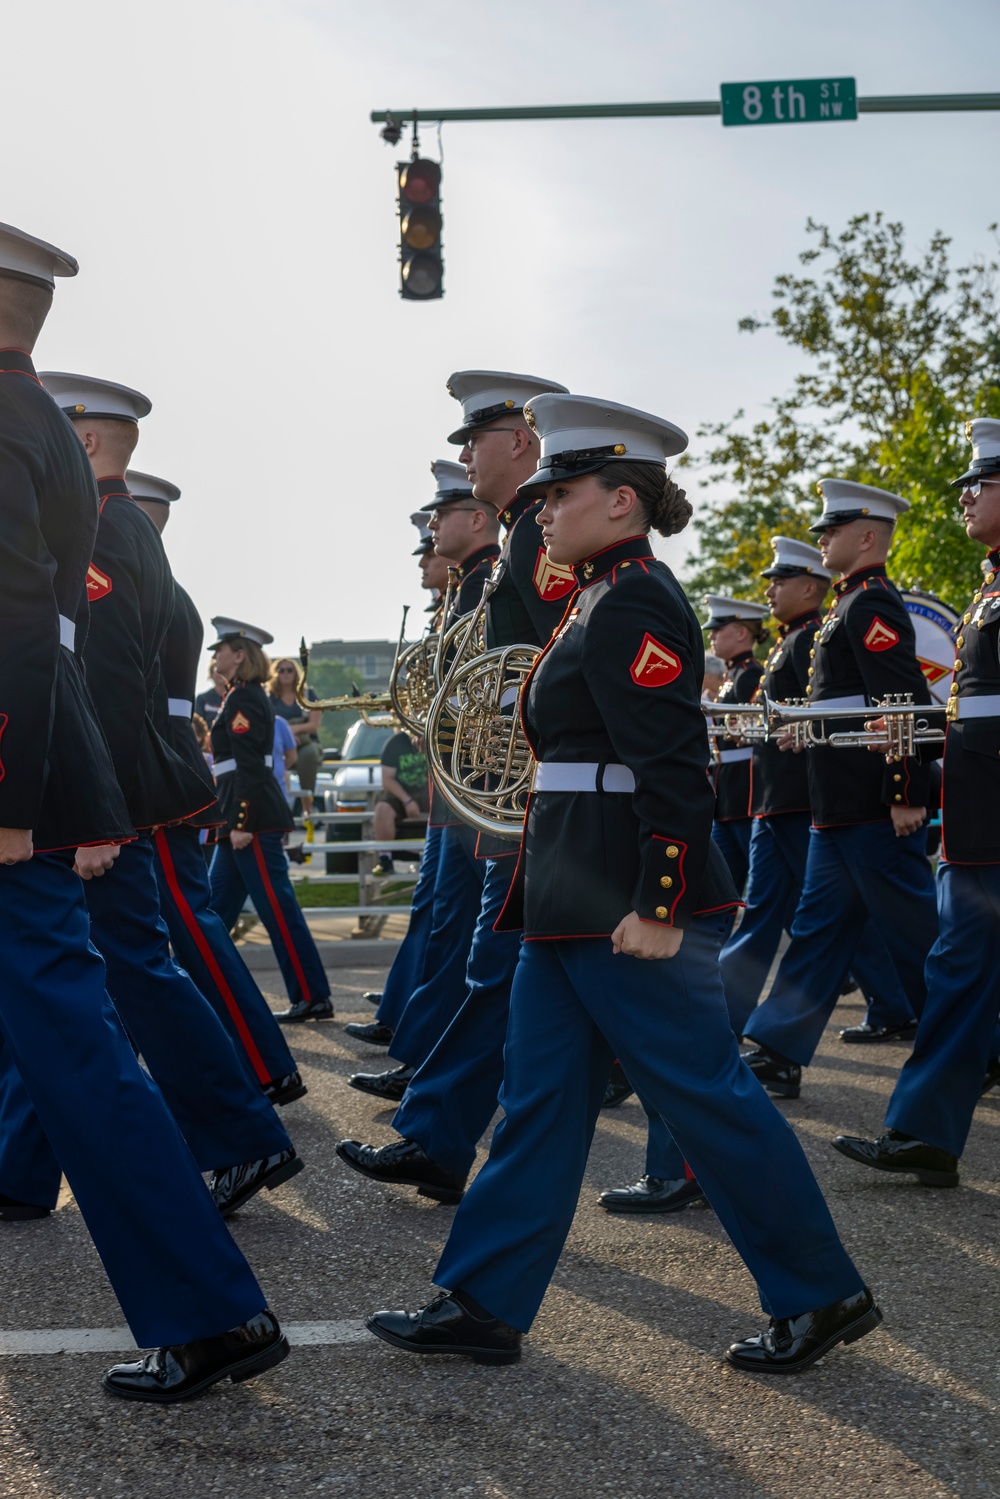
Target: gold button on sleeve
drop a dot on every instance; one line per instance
(672, 851)
(897, 778)
(662, 912)
(897, 797)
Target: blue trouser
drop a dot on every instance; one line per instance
(733, 840)
(939, 1087)
(262, 872)
(451, 1100)
(666, 1021)
(436, 1001)
(172, 1264)
(852, 873)
(407, 970)
(206, 1083)
(202, 945)
(779, 848)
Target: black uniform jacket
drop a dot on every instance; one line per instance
(131, 594)
(180, 663)
(250, 797)
(473, 575)
(732, 778)
(971, 771)
(525, 610)
(863, 649)
(779, 778)
(56, 775)
(620, 683)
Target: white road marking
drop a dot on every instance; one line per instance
(120, 1340)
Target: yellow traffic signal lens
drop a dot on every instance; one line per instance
(422, 228)
(419, 181)
(422, 276)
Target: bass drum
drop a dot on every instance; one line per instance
(936, 626)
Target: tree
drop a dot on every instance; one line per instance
(902, 353)
(334, 679)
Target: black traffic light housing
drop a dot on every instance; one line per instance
(421, 264)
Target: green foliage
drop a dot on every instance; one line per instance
(334, 679)
(902, 352)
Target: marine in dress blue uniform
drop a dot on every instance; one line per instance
(867, 846)
(208, 1086)
(198, 936)
(932, 1105)
(178, 1276)
(452, 1097)
(459, 879)
(734, 623)
(779, 802)
(249, 856)
(617, 854)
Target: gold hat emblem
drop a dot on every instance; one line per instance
(529, 417)
(968, 430)
(450, 390)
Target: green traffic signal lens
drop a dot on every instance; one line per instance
(420, 181)
(422, 276)
(421, 228)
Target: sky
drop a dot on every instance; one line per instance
(212, 166)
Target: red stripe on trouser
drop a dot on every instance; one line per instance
(190, 920)
(279, 917)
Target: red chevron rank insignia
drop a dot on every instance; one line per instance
(654, 666)
(880, 637)
(932, 670)
(98, 584)
(551, 580)
(240, 723)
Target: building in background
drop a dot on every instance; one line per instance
(370, 660)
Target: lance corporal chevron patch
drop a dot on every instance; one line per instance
(98, 584)
(551, 580)
(880, 637)
(654, 666)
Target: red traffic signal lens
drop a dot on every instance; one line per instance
(420, 181)
(421, 228)
(422, 276)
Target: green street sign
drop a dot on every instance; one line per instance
(780, 102)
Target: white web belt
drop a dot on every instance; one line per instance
(581, 775)
(67, 633)
(226, 767)
(180, 707)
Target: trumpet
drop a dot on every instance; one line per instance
(376, 708)
(736, 721)
(907, 724)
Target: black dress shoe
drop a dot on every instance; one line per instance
(282, 1090)
(446, 1326)
(404, 1164)
(619, 1088)
(374, 1033)
(867, 1034)
(388, 1085)
(793, 1343)
(781, 1078)
(372, 998)
(992, 1077)
(652, 1194)
(184, 1370)
(903, 1155)
(233, 1187)
(12, 1211)
(306, 1009)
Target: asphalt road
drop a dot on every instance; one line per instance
(620, 1391)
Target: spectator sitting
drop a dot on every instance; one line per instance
(404, 795)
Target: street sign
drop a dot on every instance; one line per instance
(780, 102)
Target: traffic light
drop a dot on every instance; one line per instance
(421, 269)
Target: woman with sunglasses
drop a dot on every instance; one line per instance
(249, 857)
(625, 903)
(286, 675)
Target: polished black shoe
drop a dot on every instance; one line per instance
(12, 1211)
(903, 1155)
(445, 1325)
(306, 1009)
(619, 1088)
(388, 1085)
(403, 1164)
(282, 1090)
(236, 1185)
(867, 1035)
(374, 1033)
(181, 1372)
(372, 997)
(781, 1078)
(992, 1077)
(652, 1194)
(793, 1343)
